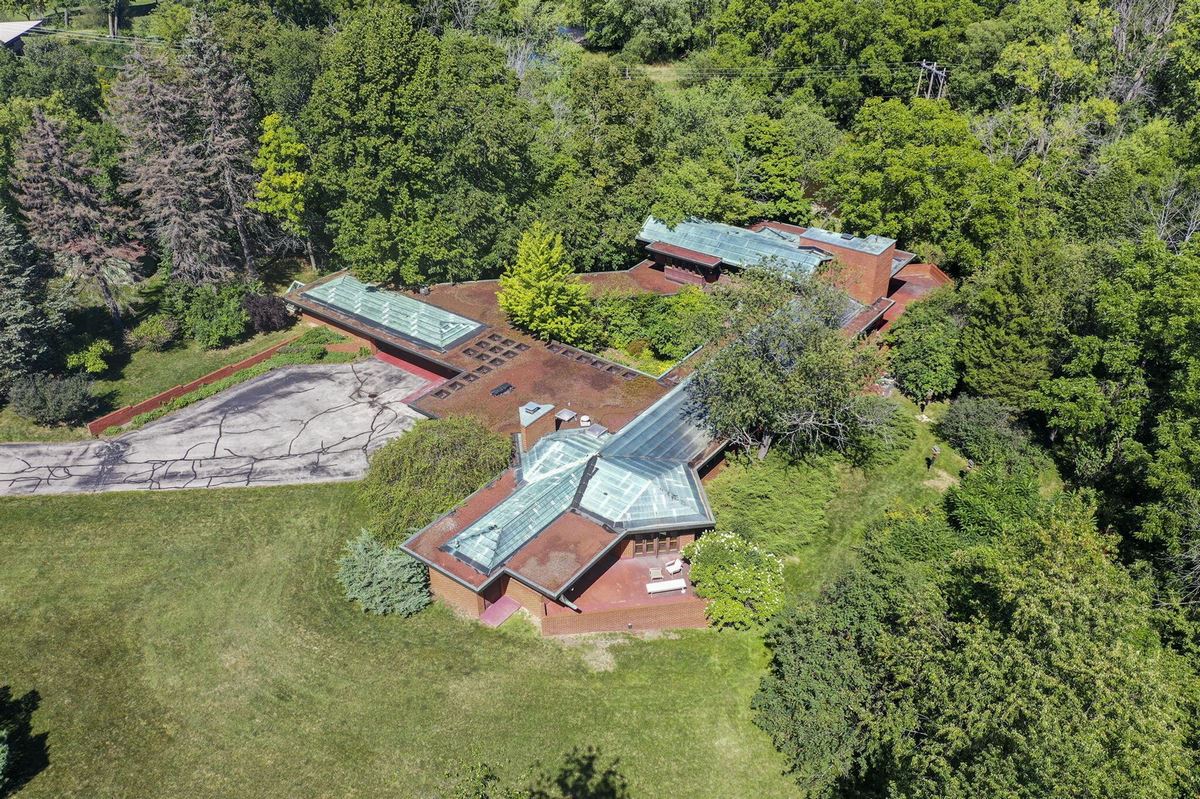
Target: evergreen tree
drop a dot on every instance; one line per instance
(540, 292)
(224, 109)
(169, 174)
(22, 321)
(1008, 341)
(94, 241)
(285, 188)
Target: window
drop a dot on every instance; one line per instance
(654, 545)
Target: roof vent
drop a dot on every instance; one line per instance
(847, 237)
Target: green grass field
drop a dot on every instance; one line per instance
(196, 644)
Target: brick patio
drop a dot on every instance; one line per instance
(620, 583)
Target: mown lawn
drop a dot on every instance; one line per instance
(195, 644)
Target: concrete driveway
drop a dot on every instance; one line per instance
(296, 424)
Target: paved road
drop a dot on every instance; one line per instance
(292, 425)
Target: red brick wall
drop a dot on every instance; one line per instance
(865, 277)
(688, 612)
(525, 596)
(124, 415)
(457, 596)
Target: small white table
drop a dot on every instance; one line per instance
(663, 586)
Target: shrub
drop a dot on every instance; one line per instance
(683, 322)
(425, 472)
(384, 580)
(267, 312)
(213, 316)
(776, 503)
(50, 399)
(982, 429)
(92, 357)
(155, 333)
(743, 582)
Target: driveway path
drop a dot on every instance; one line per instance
(295, 424)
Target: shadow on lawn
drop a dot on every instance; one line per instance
(27, 754)
(583, 774)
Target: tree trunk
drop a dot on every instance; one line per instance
(240, 223)
(112, 23)
(312, 253)
(765, 446)
(113, 308)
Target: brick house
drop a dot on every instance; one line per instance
(572, 531)
(871, 269)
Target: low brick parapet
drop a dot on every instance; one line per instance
(123, 416)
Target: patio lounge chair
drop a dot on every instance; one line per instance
(655, 574)
(674, 567)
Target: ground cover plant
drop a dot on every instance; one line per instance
(226, 653)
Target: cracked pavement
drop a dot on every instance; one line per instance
(295, 424)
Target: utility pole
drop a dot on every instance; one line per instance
(935, 87)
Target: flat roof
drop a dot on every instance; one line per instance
(873, 245)
(423, 323)
(735, 246)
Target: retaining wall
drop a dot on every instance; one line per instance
(123, 416)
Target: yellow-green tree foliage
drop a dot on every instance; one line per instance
(540, 292)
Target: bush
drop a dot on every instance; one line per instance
(50, 399)
(92, 357)
(267, 312)
(743, 582)
(154, 333)
(384, 580)
(673, 325)
(427, 471)
(213, 316)
(775, 503)
(685, 321)
(982, 429)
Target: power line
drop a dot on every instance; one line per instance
(99, 38)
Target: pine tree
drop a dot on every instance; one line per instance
(224, 108)
(540, 292)
(169, 174)
(93, 241)
(22, 322)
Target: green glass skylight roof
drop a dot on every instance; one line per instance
(734, 245)
(639, 479)
(630, 494)
(664, 431)
(874, 245)
(557, 452)
(510, 525)
(408, 318)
